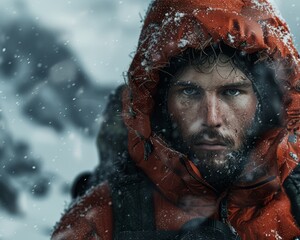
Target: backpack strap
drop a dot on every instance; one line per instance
(133, 207)
(157, 235)
(134, 213)
(292, 188)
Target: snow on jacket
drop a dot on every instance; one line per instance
(260, 210)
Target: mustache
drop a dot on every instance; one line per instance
(212, 134)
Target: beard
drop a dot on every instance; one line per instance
(220, 169)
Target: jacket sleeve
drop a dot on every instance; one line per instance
(288, 155)
(89, 218)
(292, 188)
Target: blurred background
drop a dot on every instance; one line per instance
(59, 60)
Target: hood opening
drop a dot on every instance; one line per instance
(263, 73)
(170, 29)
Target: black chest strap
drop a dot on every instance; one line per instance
(133, 207)
(134, 215)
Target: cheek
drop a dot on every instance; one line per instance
(248, 109)
(244, 115)
(184, 114)
(177, 109)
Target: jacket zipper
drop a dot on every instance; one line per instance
(224, 214)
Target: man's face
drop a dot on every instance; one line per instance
(213, 111)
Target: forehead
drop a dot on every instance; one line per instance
(213, 73)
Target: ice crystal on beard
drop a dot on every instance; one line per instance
(182, 43)
(178, 17)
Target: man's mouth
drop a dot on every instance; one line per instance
(211, 145)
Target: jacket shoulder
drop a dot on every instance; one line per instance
(89, 217)
(288, 154)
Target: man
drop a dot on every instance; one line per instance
(212, 113)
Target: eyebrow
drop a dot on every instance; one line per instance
(241, 84)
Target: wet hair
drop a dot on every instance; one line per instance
(258, 67)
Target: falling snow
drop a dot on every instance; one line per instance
(53, 91)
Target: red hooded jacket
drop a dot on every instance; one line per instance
(258, 210)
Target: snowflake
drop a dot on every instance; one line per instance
(294, 156)
(182, 43)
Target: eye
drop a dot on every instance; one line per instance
(190, 91)
(232, 92)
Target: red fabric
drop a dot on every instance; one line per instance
(258, 216)
(89, 218)
(257, 211)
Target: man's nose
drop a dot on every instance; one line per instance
(212, 116)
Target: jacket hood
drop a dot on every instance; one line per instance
(172, 26)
